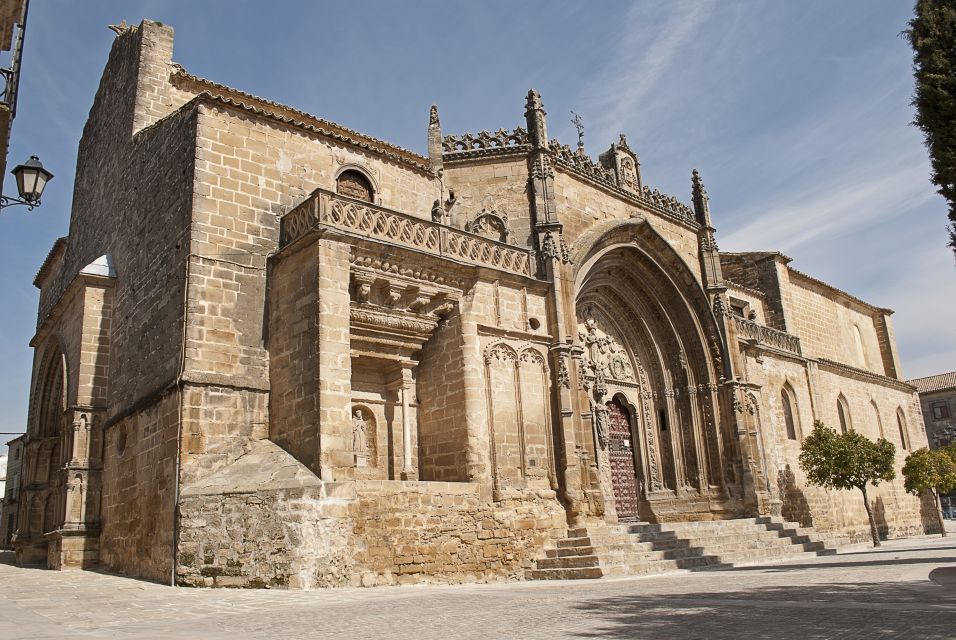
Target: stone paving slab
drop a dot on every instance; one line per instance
(872, 593)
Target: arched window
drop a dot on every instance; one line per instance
(843, 410)
(901, 423)
(789, 415)
(354, 184)
(876, 414)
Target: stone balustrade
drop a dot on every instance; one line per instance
(767, 335)
(325, 208)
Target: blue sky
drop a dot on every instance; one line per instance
(796, 113)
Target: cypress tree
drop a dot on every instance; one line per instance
(932, 34)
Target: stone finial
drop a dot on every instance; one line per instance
(701, 200)
(535, 115)
(434, 140)
(119, 29)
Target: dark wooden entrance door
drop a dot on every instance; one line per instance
(621, 452)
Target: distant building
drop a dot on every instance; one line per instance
(10, 491)
(937, 396)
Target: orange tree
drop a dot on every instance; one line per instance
(933, 471)
(847, 461)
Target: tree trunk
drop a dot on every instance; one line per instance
(939, 513)
(869, 514)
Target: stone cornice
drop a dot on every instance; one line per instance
(56, 251)
(862, 374)
(748, 290)
(210, 91)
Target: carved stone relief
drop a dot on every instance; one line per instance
(604, 357)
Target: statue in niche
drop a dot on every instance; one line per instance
(438, 213)
(359, 436)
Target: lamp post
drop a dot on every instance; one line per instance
(31, 181)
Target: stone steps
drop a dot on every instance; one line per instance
(643, 548)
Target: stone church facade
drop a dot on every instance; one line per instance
(273, 351)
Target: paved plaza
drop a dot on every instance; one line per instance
(869, 593)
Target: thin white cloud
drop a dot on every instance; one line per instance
(849, 201)
(646, 56)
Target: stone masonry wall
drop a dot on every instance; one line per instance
(498, 185)
(898, 514)
(139, 456)
(443, 436)
(826, 324)
(361, 533)
(582, 206)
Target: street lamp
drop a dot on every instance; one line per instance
(31, 181)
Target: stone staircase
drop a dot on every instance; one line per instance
(640, 548)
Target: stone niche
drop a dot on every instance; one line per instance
(381, 420)
(392, 317)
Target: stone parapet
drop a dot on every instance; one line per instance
(775, 338)
(330, 210)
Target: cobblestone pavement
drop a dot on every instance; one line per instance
(884, 593)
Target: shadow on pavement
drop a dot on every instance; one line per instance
(917, 609)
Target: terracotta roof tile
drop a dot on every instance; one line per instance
(939, 382)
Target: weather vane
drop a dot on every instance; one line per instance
(579, 125)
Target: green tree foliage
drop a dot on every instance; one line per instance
(933, 471)
(932, 34)
(847, 461)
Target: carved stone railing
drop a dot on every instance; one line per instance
(582, 165)
(325, 208)
(483, 140)
(772, 337)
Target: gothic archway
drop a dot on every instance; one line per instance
(646, 325)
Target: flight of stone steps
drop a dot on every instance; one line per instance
(641, 548)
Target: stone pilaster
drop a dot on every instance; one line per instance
(335, 364)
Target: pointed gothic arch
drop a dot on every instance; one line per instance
(876, 415)
(647, 304)
(791, 416)
(901, 424)
(843, 414)
(50, 397)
